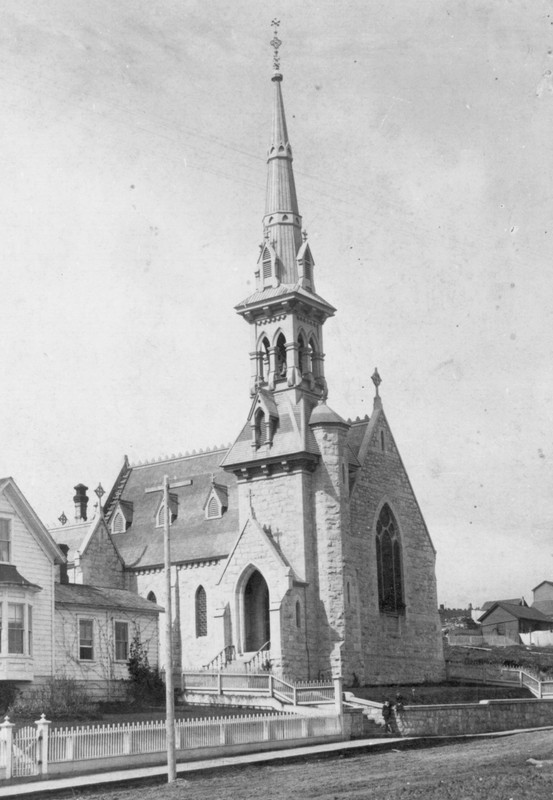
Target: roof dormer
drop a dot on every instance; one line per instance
(217, 501)
(305, 266)
(121, 519)
(173, 511)
(268, 268)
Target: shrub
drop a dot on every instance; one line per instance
(145, 683)
(59, 698)
(8, 695)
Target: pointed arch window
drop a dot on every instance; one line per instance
(173, 511)
(388, 560)
(314, 353)
(264, 359)
(201, 612)
(302, 355)
(118, 525)
(280, 353)
(260, 428)
(308, 265)
(152, 597)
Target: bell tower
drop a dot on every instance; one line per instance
(285, 313)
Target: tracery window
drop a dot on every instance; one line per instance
(388, 560)
(201, 612)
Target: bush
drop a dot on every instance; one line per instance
(58, 698)
(8, 695)
(145, 683)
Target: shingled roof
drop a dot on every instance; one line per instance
(193, 537)
(76, 594)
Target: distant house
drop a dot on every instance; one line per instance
(476, 613)
(49, 627)
(503, 623)
(543, 598)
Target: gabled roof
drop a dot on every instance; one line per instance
(76, 594)
(517, 611)
(36, 528)
(541, 584)
(517, 601)
(193, 537)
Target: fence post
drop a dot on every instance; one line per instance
(271, 690)
(295, 690)
(338, 695)
(42, 729)
(220, 683)
(6, 744)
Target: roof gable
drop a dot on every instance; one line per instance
(36, 528)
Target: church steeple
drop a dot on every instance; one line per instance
(282, 221)
(285, 313)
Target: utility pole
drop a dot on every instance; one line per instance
(169, 690)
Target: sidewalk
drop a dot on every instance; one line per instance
(37, 788)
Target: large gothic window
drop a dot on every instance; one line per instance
(388, 559)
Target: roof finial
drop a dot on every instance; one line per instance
(377, 380)
(275, 43)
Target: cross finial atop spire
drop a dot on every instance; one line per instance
(377, 380)
(275, 43)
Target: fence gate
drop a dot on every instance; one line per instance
(25, 752)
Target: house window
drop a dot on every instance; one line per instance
(388, 559)
(86, 640)
(30, 630)
(5, 539)
(121, 641)
(201, 612)
(16, 627)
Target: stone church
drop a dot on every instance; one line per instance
(302, 545)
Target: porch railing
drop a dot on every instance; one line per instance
(222, 659)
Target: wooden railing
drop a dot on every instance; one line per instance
(263, 684)
(261, 659)
(539, 688)
(222, 659)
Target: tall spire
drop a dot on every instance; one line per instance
(282, 222)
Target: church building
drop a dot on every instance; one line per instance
(301, 547)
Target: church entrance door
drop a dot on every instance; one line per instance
(256, 613)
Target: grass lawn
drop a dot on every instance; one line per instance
(433, 694)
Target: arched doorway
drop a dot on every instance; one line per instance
(257, 627)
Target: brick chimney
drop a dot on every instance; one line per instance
(81, 502)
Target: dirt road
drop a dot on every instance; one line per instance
(483, 769)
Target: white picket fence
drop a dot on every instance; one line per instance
(33, 751)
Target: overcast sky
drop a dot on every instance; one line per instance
(132, 152)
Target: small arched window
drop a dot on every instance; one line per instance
(298, 614)
(264, 359)
(260, 428)
(314, 359)
(301, 355)
(151, 597)
(388, 559)
(118, 525)
(201, 612)
(267, 264)
(308, 265)
(281, 358)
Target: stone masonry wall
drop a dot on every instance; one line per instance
(189, 650)
(100, 565)
(406, 647)
(283, 503)
(332, 529)
(471, 718)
